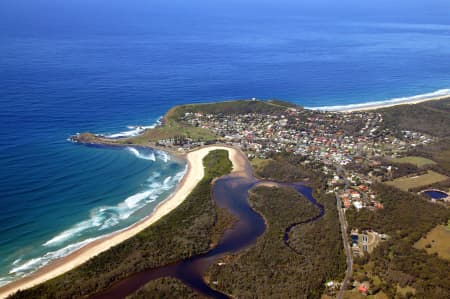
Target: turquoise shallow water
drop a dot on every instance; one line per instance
(101, 66)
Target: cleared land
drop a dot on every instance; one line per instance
(436, 241)
(417, 161)
(407, 183)
(176, 132)
(175, 128)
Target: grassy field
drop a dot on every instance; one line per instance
(436, 241)
(418, 161)
(406, 183)
(154, 135)
(174, 127)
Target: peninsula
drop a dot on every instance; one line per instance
(366, 169)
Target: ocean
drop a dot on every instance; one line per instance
(110, 66)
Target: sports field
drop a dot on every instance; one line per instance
(418, 161)
(406, 183)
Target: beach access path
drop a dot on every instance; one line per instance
(195, 172)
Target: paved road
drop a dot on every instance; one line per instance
(347, 248)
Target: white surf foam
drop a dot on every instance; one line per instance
(109, 216)
(5, 281)
(162, 156)
(100, 219)
(425, 96)
(37, 263)
(133, 131)
(151, 156)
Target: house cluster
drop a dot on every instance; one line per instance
(359, 197)
(329, 137)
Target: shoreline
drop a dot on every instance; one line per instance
(379, 104)
(375, 106)
(194, 174)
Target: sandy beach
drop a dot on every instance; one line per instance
(374, 106)
(441, 94)
(193, 175)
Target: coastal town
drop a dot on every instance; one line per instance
(356, 152)
(341, 142)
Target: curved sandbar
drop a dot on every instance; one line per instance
(194, 174)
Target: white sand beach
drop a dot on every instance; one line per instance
(193, 175)
(375, 106)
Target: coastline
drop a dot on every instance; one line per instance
(375, 106)
(417, 99)
(194, 174)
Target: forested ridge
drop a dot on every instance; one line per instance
(270, 269)
(405, 218)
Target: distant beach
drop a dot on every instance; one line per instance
(433, 96)
(193, 175)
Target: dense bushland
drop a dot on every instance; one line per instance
(405, 218)
(187, 231)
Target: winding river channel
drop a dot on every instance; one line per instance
(229, 192)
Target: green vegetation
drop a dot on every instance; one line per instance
(405, 218)
(431, 117)
(270, 269)
(436, 241)
(175, 128)
(188, 230)
(417, 161)
(166, 132)
(258, 164)
(438, 152)
(165, 288)
(291, 168)
(227, 107)
(279, 169)
(410, 182)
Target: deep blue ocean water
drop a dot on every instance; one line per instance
(74, 66)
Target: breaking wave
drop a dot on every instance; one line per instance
(36, 263)
(425, 96)
(151, 156)
(163, 156)
(109, 216)
(101, 222)
(133, 131)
